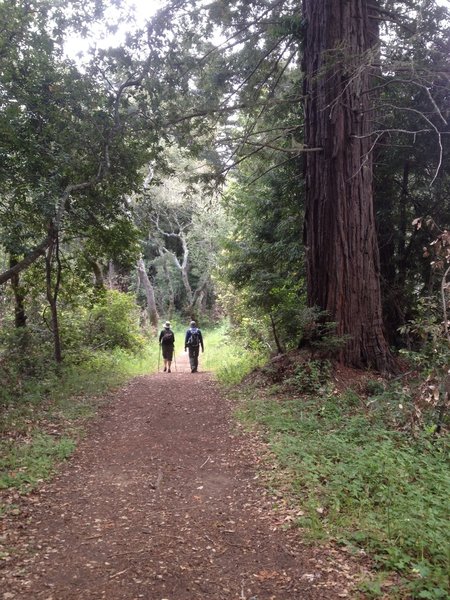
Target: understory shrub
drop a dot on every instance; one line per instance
(25, 357)
(27, 366)
(114, 322)
(310, 376)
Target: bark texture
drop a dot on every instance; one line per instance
(170, 290)
(149, 294)
(52, 289)
(20, 318)
(343, 260)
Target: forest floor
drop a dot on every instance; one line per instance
(163, 500)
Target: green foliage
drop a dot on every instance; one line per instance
(310, 377)
(37, 397)
(427, 334)
(63, 160)
(227, 355)
(404, 169)
(432, 358)
(181, 219)
(27, 368)
(114, 322)
(252, 328)
(25, 466)
(263, 258)
(363, 482)
(25, 353)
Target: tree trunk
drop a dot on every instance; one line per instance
(20, 318)
(149, 293)
(52, 295)
(341, 245)
(99, 280)
(280, 349)
(195, 305)
(185, 269)
(403, 226)
(112, 283)
(171, 293)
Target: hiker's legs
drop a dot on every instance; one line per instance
(197, 352)
(193, 357)
(167, 352)
(170, 358)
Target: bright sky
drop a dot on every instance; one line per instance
(142, 10)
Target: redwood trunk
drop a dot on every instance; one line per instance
(342, 252)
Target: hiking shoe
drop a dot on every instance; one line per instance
(165, 369)
(169, 371)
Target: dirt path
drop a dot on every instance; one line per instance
(161, 501)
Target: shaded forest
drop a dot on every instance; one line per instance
(211, 155)
(278, 169)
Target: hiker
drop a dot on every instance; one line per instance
(193, 341)
(167, 342)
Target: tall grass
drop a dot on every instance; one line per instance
(227, 356)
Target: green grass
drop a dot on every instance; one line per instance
(226, 356)
(364, 484)
(25, 466)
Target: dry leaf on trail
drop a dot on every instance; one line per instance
(264, 575)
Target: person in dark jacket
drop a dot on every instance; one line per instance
(193, 340)
(167, 343)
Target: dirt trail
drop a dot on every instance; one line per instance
(161, 501)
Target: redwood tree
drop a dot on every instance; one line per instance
(343, 261)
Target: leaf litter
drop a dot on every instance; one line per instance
(163, 500)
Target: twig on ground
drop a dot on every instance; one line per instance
(207, 460)
(129, 552)
(120, 573)
(242, 596)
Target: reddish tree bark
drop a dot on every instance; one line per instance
(342, 251)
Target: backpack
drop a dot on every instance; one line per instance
(194, 340)
(168, 338)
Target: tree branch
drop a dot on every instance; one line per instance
(61, 204)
